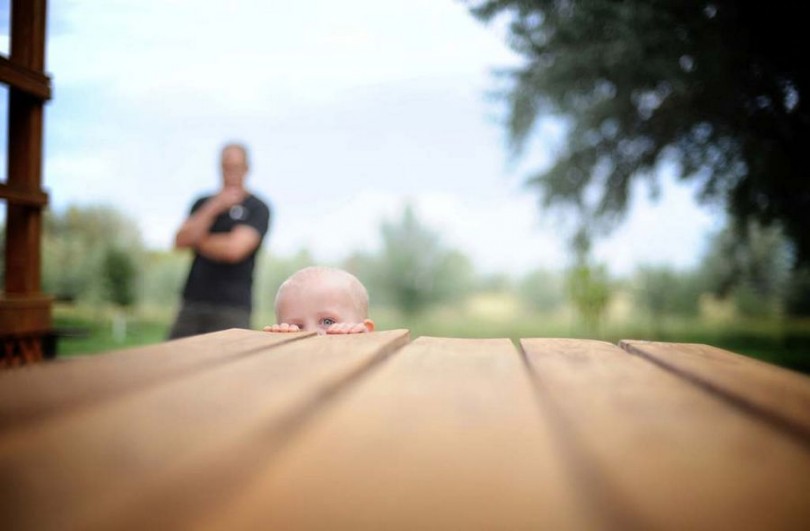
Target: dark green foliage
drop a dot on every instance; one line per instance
(719, 88)
(750, 265)
(119, 274)
(589, 289)
(797, 301)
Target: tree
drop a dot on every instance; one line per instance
(587, 282)
(719, 88)
(75, 242)
(589, 289)
(414, 268)
(797, 301)
(754, 271)
(661, 291)
(119, 274)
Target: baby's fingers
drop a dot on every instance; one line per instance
(347, 328)
(283, 327)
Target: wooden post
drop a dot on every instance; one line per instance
(24, 310)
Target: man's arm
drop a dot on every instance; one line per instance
(230, 247)
(196, 226)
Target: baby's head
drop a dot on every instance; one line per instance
(316, 298)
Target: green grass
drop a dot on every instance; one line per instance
(93, 334)
(785, 343)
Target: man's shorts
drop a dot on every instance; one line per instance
(200, 318)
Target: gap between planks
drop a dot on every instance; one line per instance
(657, 452)
(34, 393)
(777, 396)
(81, 470)
(445, 435)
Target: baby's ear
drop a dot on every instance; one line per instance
(369, 325)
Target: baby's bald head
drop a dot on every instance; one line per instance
(335, 287)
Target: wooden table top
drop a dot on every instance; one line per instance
(249, 430)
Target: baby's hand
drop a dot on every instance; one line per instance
(347, 328)
(283, 327)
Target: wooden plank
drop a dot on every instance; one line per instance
(34, 393)
(23, 197)
(28, 21)
(24, 223)
(655, 452)
(444, 436)
(25, 314)
(79, 470)
(24, 154)
(24, 79)
(779, 396)
(23, 253)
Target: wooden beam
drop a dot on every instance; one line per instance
(22, 197)
(28, 33)
(24, 79)
(23, 308)
(24, 222)
(25, 314)
(25, 116)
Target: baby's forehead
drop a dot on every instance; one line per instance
(323, 286)
(317, 288)
(321, 281)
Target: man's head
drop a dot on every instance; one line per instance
(234, 163)
(314, 298)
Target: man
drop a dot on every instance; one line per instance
(225, 231)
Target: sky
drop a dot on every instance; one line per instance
(352, 110)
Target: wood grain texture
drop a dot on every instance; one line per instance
(446, 435)
(143, 459)
(32, 393)
(22, 78)
(655, 452)
(779, 396)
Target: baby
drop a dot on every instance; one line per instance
(324, 300)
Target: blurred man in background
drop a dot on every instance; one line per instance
(225, 232)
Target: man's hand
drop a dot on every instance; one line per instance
(196, 226)
(226, 198)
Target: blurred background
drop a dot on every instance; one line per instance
(486, 168)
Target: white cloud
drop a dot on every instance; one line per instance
(351, 109)
(254, 56)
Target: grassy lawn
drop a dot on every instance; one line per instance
(785, 343)
(92, 334)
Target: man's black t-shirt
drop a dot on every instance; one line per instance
(221, 283)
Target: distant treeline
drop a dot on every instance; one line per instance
(96, 255)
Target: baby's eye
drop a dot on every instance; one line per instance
(327, 321)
